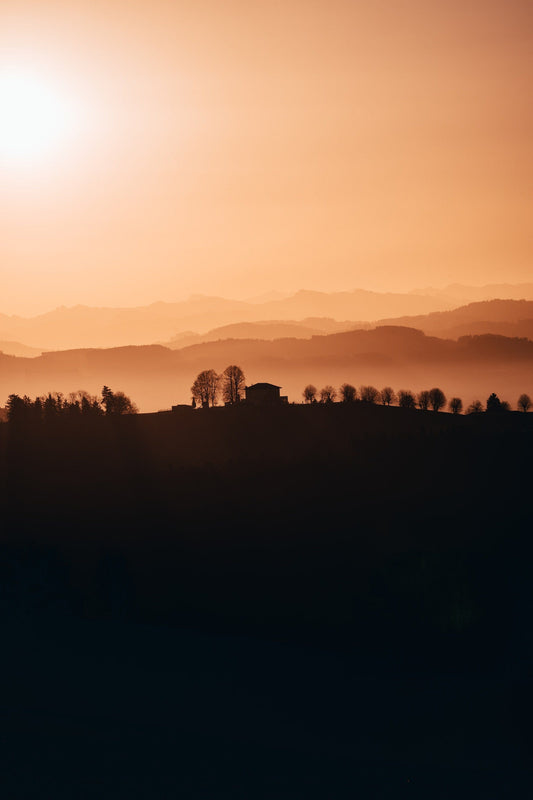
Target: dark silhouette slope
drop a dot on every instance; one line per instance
(332, 598)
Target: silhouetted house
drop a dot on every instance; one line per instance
(264, 394)
(182, 407)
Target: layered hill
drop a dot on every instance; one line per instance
(460, 294)
(265, 329)
(500, 317)
(83, 326)
(157, 377)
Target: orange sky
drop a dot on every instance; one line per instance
(234, 147)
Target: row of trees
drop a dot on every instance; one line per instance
(76, 404)
(208, 386)
(433, 399)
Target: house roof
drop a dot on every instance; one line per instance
(263, 386)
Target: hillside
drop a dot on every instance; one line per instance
(265, 329)
(18, 349)
(83, 326)
(460, 294)
(500, 317)
(157, 377)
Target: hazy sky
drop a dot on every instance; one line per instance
(235, 146)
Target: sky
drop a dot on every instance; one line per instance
(156, 148)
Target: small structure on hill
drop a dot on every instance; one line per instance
(264, 394)
(183, 407)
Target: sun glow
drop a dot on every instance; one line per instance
(36, 119)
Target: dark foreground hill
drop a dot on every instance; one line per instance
(157, 378)
(312, 601)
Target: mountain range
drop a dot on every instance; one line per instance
(84, 326)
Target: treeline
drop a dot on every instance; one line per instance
(55, 405)
(432, 399)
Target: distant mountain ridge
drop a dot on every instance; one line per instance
(201, 316)
(499, 317)
(458, 293)
(83, 326)
(267, 329)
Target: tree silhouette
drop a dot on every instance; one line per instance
(456, 405)
(232, 384)
(494, 403)
(309, 393)
(423, 400)
(17, 408)
(524, 403)
(117, 402)
(406, 399)
(387, 395)
(348, 393)
(368, 394)
(437, 399)
(327, 394)
(476, 407)
(52, 406)
(205, 388)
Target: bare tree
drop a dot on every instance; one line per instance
(368, 394)
(437, 399)
(328, 394)
(309, 393)
(387, 396)
(205, 388)
(524, 403)
(456, 405)
(423, 400)
(348, 393)
(476, 407)
(406, 399)
(81, 402)
(232, 384)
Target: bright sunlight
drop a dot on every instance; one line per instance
(36, 119)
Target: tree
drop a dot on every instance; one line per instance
(368, 394)
(348, 393)
(53, 405)
(423, 400)
(17, 408)
(107, 399)
(309, 393)
(122, 404)
(476, 407)
(493, 403)
(406, 399)
(205, 388)
(524, 403)
(456, 405)
(116, 403)
(387, 395)
(437, 399)
(232, 384)
(328, 394)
